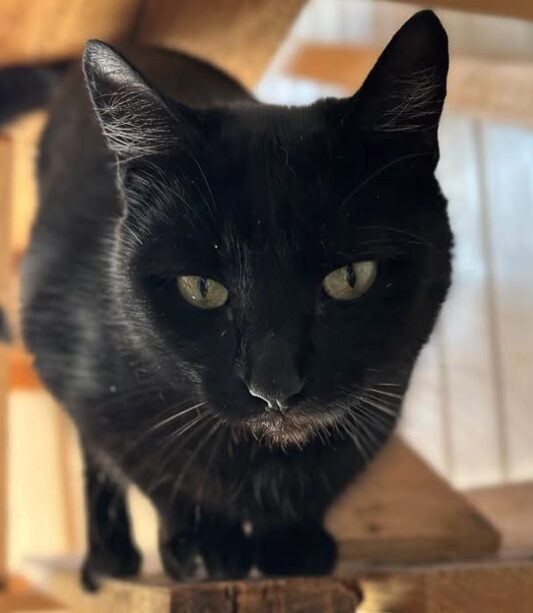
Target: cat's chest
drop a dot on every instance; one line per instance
(251, 486)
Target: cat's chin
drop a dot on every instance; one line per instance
(287, 430)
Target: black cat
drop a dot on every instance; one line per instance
(229, 297)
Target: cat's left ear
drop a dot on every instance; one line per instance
(136, 121)
(404, 93)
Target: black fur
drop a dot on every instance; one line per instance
(24, 88)
(196, 177)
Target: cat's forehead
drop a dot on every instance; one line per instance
(261, 129)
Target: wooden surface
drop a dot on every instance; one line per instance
(489, 89)
(489, 587)
(492, 587)
(20, 597)
(502, 584)
(5, 193)
(510, 508)
(50, 29)
(157, 595)
(400, 511)
(240, 36)
(522, 9)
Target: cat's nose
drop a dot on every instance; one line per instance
(273, 376)
(277, 400)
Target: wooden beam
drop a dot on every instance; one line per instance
(510, 508)
(5, 204)
(495, 89)
(521, 9)
(239, 36)
(158, 595)
(502, 584)
(401, 512)
(51, 29)
(21, 597)
(489, 587)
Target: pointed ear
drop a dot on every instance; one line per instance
(405, 91)
(135, 119)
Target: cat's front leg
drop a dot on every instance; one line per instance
(189, 530)
(225, 548)
(178, 538)
(111, 551)
(299, 548)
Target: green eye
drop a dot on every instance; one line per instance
(201, 292)
(351, 281)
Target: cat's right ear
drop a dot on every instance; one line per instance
(135, 119)
(404, 93)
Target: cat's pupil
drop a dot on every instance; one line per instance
(202, 286)
(350, 275)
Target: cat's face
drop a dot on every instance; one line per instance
(287, 264)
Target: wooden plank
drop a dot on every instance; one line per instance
(237, 35)
(478, 456)
(491, 587)
(158, 595)
(484, 587)
(509, 8)
(25, 133)
(401, 512)
(19, 596)
(488, 89)
(51, 29)
(510, 509)
(507, 181)
(5, 204)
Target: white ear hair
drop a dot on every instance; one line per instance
(135, 120)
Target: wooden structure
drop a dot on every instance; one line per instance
(5, 187)
(401, 511)
(501, 584)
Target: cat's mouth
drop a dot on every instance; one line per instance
(293, 428)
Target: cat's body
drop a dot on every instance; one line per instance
(243, 413)
(76, 347)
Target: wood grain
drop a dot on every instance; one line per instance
(401, 512)
(240, 36)
(490, 587)
(49, 29)
(158, 595)
(485, 587)
(5, 204)
(510, 508)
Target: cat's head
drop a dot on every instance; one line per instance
(285, 263)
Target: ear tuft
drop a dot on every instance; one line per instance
(134, 118)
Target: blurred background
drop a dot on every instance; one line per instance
(468, 412)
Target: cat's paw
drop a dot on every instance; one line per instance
(179, 556)
(227, 553)
(296, 549)
(123, 562)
